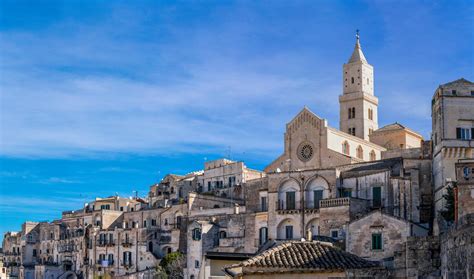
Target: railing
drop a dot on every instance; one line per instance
(105, 243)
(280, 205)
(127, 243)
(285, 209)
(335, 202)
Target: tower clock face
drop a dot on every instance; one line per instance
(305, 151)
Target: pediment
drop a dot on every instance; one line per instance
(304, 116)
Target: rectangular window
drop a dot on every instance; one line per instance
(377, 196)
(196, 264)
(376, 241)
(318, 196)
(263, 203)
(454, 92)
(153, 222)
(209, 186)
(346, 193)
(290, 200)
(464, 133)
(334, 233)
(289, 232)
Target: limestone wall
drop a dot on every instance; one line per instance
(457, 250)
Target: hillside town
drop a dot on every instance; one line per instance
(355, 201)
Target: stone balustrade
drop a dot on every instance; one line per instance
(335, 202)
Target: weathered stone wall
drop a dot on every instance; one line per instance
(457, 250)
(359, 235)
(421, 260)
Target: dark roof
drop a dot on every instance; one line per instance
(458, 81)
(367, 168)
(300, 256)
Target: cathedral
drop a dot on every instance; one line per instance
(358, 201)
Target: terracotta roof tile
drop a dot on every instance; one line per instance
(304, 255)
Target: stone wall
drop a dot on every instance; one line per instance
(421, 260)
(457, 250)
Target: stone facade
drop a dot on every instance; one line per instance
(376, 199)
(396, 136)
(452, 116)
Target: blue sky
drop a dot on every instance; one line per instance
(105, 97)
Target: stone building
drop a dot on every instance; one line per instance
(371, 192)
(452, 116)
(396, 136)
(464, 190)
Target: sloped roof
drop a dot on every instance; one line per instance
(396, 126)
(357, 54)
(458, 81)
(303, 256)
(393, 126)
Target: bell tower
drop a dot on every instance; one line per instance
(358, 105)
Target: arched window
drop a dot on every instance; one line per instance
(262, 236)
(372, 156)
(222, 234)
(360, 152)
(345, 148)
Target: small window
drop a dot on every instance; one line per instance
(371, 114)
(347, 192)
(196, 264)
(472, 92)
(352, 80)
(334, 233)
(464, 133)
(454, 92)
(197, 234)
(368, 81)
(222, 234)
(376, 241)
(263, 203)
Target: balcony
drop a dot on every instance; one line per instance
(335, 202)
(286, 209)
(127, 243)
(105, 243)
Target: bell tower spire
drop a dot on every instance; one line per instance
(358, 105)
